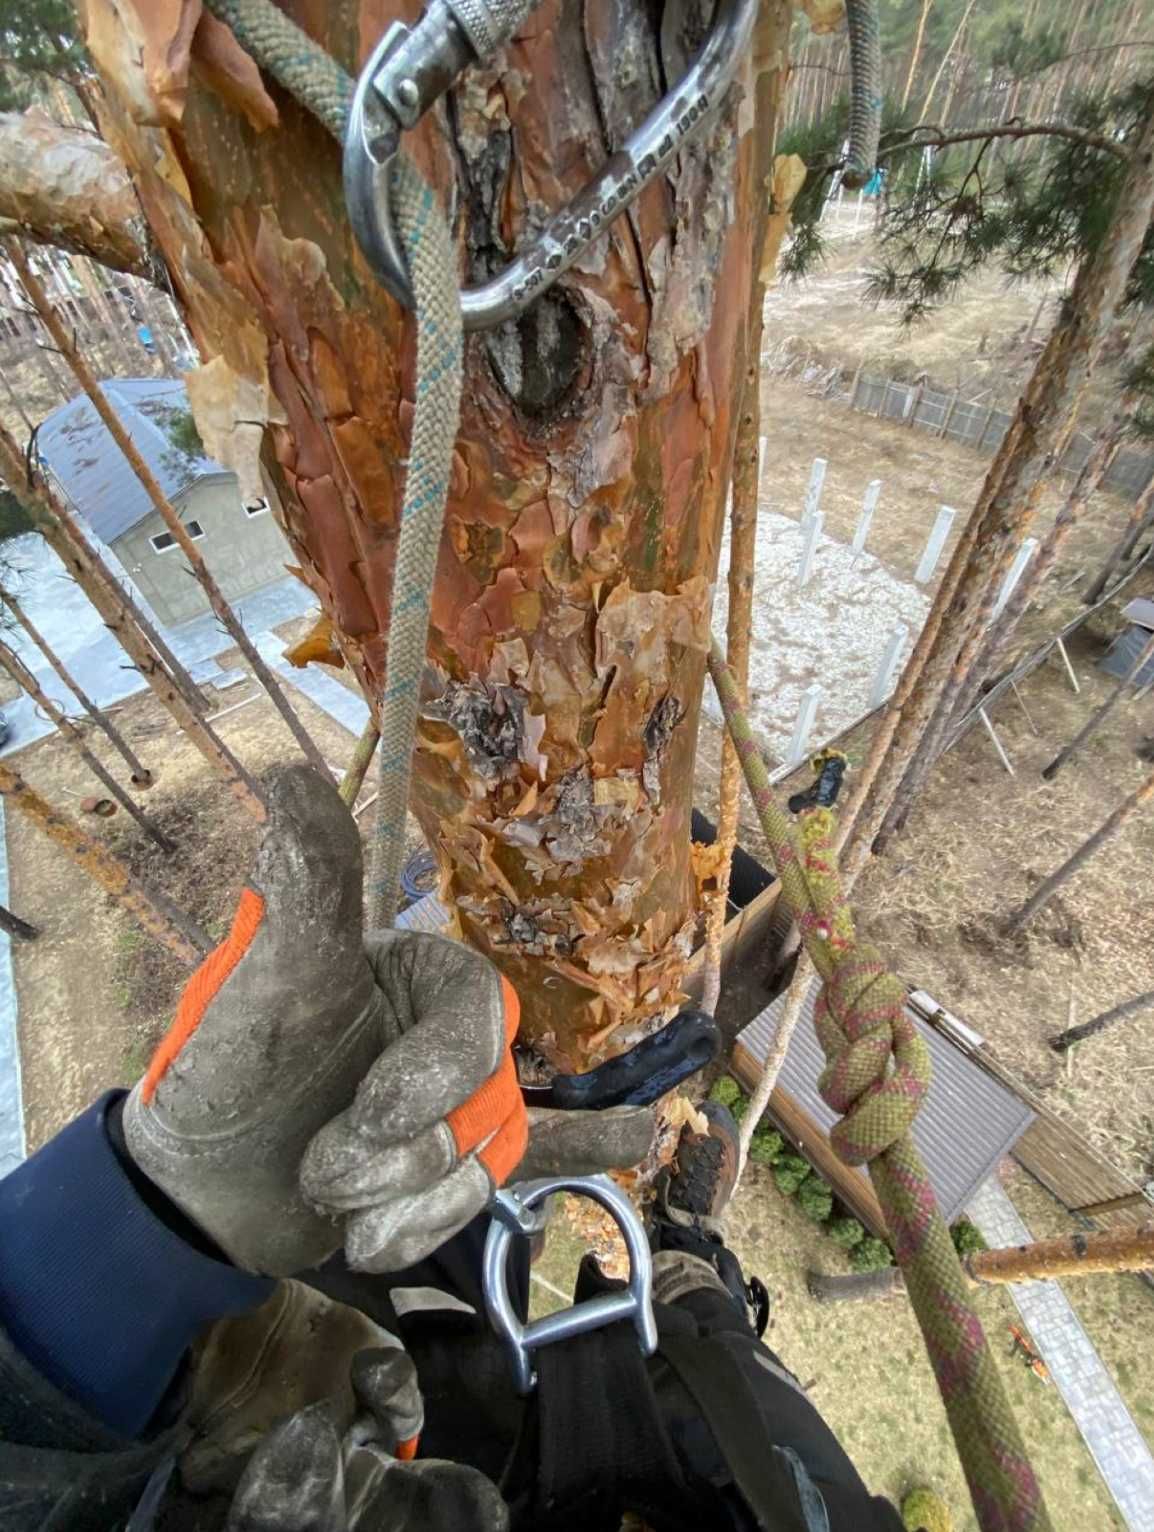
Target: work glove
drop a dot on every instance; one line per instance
(310, 1476)
(317, 1087)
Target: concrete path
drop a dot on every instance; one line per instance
(1107, 1427)
(12, 1144)
(58, 607)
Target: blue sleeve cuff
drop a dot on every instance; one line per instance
(96, 1291)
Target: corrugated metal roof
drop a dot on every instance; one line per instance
(967, 1123)
(75, 444)
(1141, 611)
(1123, 655)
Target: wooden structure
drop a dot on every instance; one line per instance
(967, 1123)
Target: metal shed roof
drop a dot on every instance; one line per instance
(968, 1121)
(76, 446)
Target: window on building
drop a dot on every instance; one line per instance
(163, 541)
(256, 507)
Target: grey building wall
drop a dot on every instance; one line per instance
(244, 552)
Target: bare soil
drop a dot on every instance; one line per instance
(983, 342)
(94, 994)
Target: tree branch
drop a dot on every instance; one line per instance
(64, 187)
(939, 139)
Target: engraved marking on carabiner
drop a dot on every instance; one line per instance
(428, 54)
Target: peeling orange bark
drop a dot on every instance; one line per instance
(570, 614)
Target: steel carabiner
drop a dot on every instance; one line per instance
(411, 67)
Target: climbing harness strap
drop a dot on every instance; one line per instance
(876, 1076)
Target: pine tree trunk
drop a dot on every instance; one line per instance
(1098, 718)
(1140, 519)
(916, 54)
(163, 506)
(946, 649)
(141, 776)
(554, 771)
(14, 926)
(1106, 831)
(1105, 449)
(68, 731)
(1102, 1021)
(152, 911)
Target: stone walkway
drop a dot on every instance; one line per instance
(1099, 1411)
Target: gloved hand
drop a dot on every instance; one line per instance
(308, 1475)
(317, 1087)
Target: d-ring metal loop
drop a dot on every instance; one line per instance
(409, 69)
(515, 1212)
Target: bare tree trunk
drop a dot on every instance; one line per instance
(14, 926)
(1070, 1255)
(1140, 519)
(946, 56)
(179, 675)
(1105, 449)
(1099, 1023)
(354, 778)
(948, 644)
(742, 559)
(106, 596)
(554, 765)
(1098, 718)
(155, 914)
(161, 503)
(916, 55)
(141, 776)
(1106, 831)
(24, 678)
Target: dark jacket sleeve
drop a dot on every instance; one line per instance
(100, 1297)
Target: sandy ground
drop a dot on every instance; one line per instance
(980, 342)
(94, 994)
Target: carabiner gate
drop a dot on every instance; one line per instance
(411, 67)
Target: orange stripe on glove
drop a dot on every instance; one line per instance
(202, 988)
(496, 1110)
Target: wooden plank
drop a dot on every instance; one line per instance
(850, 1184)
(1058, 1157)
(1116, 1204)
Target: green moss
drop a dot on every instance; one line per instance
(726, 1091)
(967, 1237)
(870, 1254)
(925, 1511)
(789, 1172)
(815, 1198)
(766, 1147)
(846, 1232)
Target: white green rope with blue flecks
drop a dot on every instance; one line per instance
(307, 72)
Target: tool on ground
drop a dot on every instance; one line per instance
(411, 67)
(519, 1211)
(642, 1074)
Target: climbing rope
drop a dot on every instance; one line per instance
(307, 72)
(877, 1070)
(865, 113)
(876, 1076)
